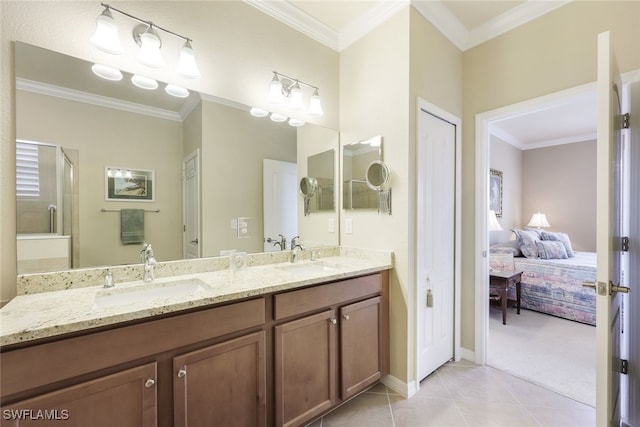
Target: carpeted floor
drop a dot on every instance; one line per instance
(554, 353)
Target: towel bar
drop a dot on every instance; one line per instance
(118, 210)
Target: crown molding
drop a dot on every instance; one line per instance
(369, 21)
(444, 21)
(290, 15)
(93, 99)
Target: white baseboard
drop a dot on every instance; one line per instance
(405, 389)
(467, 354)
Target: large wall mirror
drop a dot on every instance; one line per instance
(321, 168)
(356, 157)
(89, 148)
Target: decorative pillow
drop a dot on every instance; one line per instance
(560, 237)
(511, 247)
(549, 249)
(527, 240)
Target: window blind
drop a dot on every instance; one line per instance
(27, 170)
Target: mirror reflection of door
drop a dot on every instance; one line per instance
(320, 167)
(280, 190)
(191, 205)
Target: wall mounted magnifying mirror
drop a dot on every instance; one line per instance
(308, 188)
(377, 178)
(355, 159)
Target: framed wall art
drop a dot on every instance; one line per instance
(122, 184)
(495, 191)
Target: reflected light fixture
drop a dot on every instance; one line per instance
(258, 112)
(144, 82)
(106, 72)
(283, 86)
(278, 117)
(538, 220)
(106, 36)
(177, 91)
(146, 36)
(296, 122)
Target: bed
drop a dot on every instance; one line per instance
(554, 286)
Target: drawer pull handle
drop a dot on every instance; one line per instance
(346, 317)
(182, 373)
(149, 383)
(333, 321)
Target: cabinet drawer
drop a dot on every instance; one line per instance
(305, 300)
(35, 366)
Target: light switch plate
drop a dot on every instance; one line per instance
(331, 226)
(348, 225)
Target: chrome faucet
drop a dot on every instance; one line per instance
(282, 243)
(295, 249)
(146, 256)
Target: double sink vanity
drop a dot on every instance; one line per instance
(276, 343)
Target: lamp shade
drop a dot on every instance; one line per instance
(539, 220)
(295, 100)
(315, 107)
(187, 66)
(149, 53)
(275, 90)
(494, 225)
(106, 36)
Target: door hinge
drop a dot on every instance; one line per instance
(625, 244)
(624, 366)
(625, 121)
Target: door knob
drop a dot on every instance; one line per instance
(149, 383)
(346, 317)
(333, 321)
(601, 288)
(182, 373)
(194, 241)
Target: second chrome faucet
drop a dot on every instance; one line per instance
(295, 249)
(146, 256)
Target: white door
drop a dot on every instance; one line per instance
(191, 240)
(280, 186)
(435, 242)
(608, 303)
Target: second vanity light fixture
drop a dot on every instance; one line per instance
(283, 87)
(106, 39)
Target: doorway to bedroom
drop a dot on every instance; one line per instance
(544, 153)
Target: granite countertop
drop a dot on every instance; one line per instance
(48, 314)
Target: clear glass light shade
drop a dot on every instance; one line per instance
(315, 106)
(258, 112)
(538, 220)
(149, 53)
(144, 82)
(106, 72)
(177, 91)
(295, 98)
(187, 66)
(118, 174)
(295, 122)
(278, 117)
(106, 36)
(275, 91)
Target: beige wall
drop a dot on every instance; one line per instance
(234, 143)
(554, 52)
(560, 181)
(237, 48)
(508, 159)
(109, 137)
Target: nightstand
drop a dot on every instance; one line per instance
(499, 284)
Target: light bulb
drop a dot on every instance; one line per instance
(275, 90)
(295, 100)
(315, 107)
(106, 36)
(187, 66)
(149, 53)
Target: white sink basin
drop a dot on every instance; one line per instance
(116, 297)
(313, 267)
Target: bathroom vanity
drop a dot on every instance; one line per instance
(276, 344)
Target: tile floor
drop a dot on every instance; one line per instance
(462, 394)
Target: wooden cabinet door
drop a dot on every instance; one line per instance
(360, 347)
(124, 399)
(222, 385)
(305, 368)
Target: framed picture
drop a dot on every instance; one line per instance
(122, 184)
(495, 191)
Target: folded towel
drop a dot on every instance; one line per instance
(132, 226)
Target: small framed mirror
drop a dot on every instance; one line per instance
(356, 157)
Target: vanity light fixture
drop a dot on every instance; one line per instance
(177, 91)
(283, 86)
(106, 39)
(296, 122)
(258, 112)
(278, 117)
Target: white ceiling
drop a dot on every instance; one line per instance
(466, 23)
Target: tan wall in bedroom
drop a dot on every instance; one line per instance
(560, 181)
(508, 159)
(554, 52)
